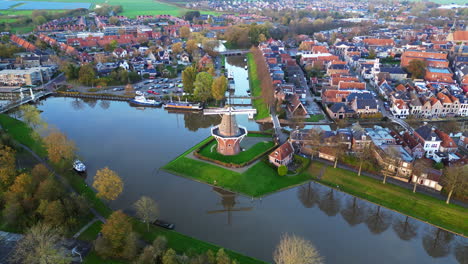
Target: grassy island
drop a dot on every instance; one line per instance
(259, 149)
(257, 180)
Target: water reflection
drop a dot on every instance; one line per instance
(354, 212)
(105, 104)
(91, 102)
(378, 220)
(238, 61)
(228, 202)
(308, 195)
(330, 203)
(437, 242)
(461, 251)
(195, 121)
(77, 104)
(405, 230)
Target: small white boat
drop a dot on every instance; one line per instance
(230, 76)
(79, 166)
(141, 100)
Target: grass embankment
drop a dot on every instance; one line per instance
(21, 132)
(209, 151)
(179, 242)
(417, 205)
(258, 180)
(256, 90)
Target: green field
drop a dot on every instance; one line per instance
(133, 8)
(255, 87)
(417, 205)
(209, 151)
(21, 133)
(259, 180)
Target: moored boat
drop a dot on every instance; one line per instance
(141, 100)
(183, 106)
(79, 166)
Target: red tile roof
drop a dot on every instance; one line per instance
(460, 35)
(379, 42)
(447, 141)
(283, 151)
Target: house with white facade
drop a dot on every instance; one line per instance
(429, 139)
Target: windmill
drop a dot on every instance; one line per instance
(229, 134)
(228, 201)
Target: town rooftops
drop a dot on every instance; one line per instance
(447, 141)
(427, 132)
(439, 70)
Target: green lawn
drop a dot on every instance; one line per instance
(183, 243)
(256, 89)
(22, 133)
(315, 118)
(91, 233)
(209, 151)
(258, 180)
(420, 206)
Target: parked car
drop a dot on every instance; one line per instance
(153, 92)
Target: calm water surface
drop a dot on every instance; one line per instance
(136, 142)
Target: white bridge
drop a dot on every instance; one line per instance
(230, 111)
(24, 99)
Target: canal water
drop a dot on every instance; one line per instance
(136, 142)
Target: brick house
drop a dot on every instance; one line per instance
(283, 155)
(439, 75)
(447, 145)
(429, 57)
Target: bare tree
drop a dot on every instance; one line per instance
(293, 250)
(41, 244)
(455, 180)
(314, 139)
(365, 154)
(146, 210)
(420, 167)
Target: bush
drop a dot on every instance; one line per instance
(282, 170)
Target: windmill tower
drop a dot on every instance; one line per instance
(228, 201)
(229, 134)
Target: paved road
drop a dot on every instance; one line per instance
(282, 137)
